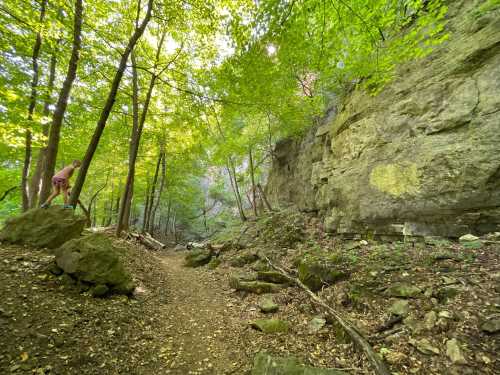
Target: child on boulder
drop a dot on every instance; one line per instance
(60, 181)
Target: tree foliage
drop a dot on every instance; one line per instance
(232, 78)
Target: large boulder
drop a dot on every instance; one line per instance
(93, 259)
(43, 227)
(265, 364)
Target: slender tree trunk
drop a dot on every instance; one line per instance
(252, 177)
(117, 203)
(94, 142)
(7, 192)
(146, 208)
(167, 224)
(31, 110)
(124, 214)
(62, 103)
(162, 183)
(234, 184)
(86, 212)
(36, 179)
(109, 214)
(174, 226)
(137, 127)
(94, 221)
(264, 198)
(152, 193)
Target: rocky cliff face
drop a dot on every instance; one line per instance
(421, 158)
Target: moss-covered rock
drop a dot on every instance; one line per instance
(248, 283)
(272, 277)
(403, 290)
(198, 258)
(265, 364)
(93, 259)
(270, 325)
(400, 307)
(244, 258)
(267, 304)
(315, 272)
(260, 265)
(40, 227)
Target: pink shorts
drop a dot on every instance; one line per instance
(60, 182)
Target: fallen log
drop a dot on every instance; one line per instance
(354, 333)
(147, 240)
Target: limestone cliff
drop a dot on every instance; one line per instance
(422, 157)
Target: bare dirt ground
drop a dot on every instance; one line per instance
(189, 321)
(179, 322)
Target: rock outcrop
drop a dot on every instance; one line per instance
(40, 227)
(421, 158)
(95, 261)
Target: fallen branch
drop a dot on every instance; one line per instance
(147, 240)
(353, 332)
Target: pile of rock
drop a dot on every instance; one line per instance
(92, 262)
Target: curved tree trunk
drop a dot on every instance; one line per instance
(62, 103)
(31, 110)
(40, 163)
(101, 123)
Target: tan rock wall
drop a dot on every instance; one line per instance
(422, 157)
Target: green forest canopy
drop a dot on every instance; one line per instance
(227, 79)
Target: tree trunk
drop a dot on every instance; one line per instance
(62, 103)
(31, 110)
(231, 170)
(264, 198)
(167, 224)
(117, 203)
(152, 194)
(94, 221)
(101, 123)
(146, 208)
(124, 214)
(36, 179)
(252, 177)
(135, 139)
(162, 183)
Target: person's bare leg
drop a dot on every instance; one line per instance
(55, 192)
(65, 195)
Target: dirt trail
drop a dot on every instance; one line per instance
(202, 324)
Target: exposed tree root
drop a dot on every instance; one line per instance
(357, 337)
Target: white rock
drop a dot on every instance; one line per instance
(468, 238)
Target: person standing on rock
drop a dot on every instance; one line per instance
(60, 181)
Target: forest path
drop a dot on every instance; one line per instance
(203, 324)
